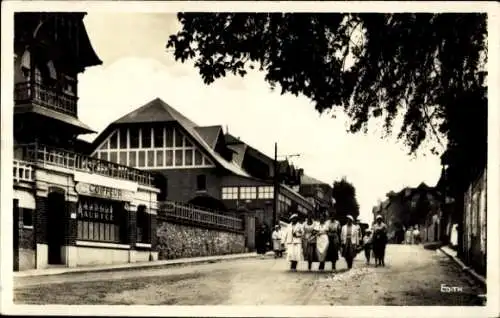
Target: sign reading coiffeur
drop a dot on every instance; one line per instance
(102, 191)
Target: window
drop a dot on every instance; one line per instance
(201, 183)
(230, 193)
(134, 137)
(151, 158)
(169, 158)
(158, 137)
(113, 156)
(123, 158)
(146, 138)
(27, 216)
(178, 157)
(169, 141)
(132, 158)
(104, 155)
(113, 140)
(178, 138)
(248, 193)
(99, 220)
(159, 158)
(104, 146)
(123, 138)
(142, 158)
(198, 158)
(266, 192)
(143, 224)
(188, 157)
(187, 143)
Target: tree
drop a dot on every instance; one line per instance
(346, 203)
(429, 68)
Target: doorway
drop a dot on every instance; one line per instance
(55, 227)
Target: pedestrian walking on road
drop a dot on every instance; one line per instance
(322, 242)
(408, 235)
(367, 245)
(309, 241)
(293, 241)
(350, 237)
(334, 241)
(276, 237)
(379, 240)
(261, 239)
(416, 235)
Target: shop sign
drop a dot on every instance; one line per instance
(95, 190)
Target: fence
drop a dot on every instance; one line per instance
(75, 161)
(191, 213)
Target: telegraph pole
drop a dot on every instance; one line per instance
(276, 184)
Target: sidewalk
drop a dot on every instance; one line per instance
(132, 266)
(453, 255)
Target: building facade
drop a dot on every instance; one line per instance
(69, 209)
(318, 193)
(196, 164)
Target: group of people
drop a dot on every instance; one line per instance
(412, 235)
(320, 241)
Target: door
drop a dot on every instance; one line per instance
(15, 231)
(55, 227)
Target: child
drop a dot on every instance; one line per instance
(276, 237)
(367, 244)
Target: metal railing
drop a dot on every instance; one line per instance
(196, 214)
(75, 161)
(33, 92)
(23, 171)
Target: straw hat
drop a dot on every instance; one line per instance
(378, 217)
(350, 217)
(294, 216)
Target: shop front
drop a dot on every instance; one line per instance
(82, 219)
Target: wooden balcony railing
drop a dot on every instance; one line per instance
(30, 92)
(75, 161)
(199, 215)
(23, 171)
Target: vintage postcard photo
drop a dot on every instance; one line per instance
(331, 159)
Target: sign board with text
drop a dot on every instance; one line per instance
(95, 190)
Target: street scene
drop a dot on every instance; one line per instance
(250, 158)
(412, 276)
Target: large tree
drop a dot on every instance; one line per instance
(428, 68)
(346, 203)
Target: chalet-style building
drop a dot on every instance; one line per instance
(195, 164)
(69, 209)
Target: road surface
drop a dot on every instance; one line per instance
(412, 276)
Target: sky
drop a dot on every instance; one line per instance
(137, 68)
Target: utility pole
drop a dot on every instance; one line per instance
(276, 184)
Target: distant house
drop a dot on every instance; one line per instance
(317, 192)
(194, 164)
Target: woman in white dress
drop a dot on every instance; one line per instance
(322, 242)
(293, 241)
(350, 237)
(276, 237)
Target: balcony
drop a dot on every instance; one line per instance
(23, 171)
(29, 92)
(66, 159)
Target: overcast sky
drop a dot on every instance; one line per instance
(136, 69)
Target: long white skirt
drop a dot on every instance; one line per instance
(294, 252)
(322, 247)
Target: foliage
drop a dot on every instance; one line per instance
(346, 203)
(421, 65)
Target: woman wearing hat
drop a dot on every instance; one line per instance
(293, 241)
(367, 244)
(350, 237)
(309, 241)
(379, 240)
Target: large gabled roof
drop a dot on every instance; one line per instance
(157, 111)
(210, 134)
(306, 180)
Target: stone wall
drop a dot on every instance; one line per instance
(176, 240)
